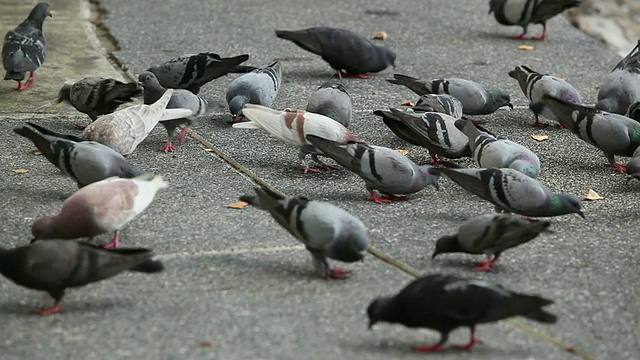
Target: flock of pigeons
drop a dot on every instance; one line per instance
(112, 192)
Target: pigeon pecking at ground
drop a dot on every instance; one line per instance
(446, 302)
(621, 88)
(259, 87)
(525, 12)
(332, 100)
(24, 48)
(326, 230)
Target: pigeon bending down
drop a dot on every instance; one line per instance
(621, 88)
(446, 302)
(291, 126)
(85, 162)
(512, 191)
(525, 12)
(435, 131)
(490, 234)
(440, 103)
(381, 168)
(101, 207)
(97, 96)
(475, 98)
(53, 266)
(535, 85)
(191, 71)
(259, 87)
(24, 47)
(332, 100)
(180, 99)
(350, 54)
(491, 152)
(612, 133)
(326, 230)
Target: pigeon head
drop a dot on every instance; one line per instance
(236, 104)
(446, 244)
(39, 13)
(44, 228)
(149, 80)
(566, 204)
(380, 309)
(64, 93)
(520, 73)
(389, 56)
(500, 98)
(429, 177)
(349, 249)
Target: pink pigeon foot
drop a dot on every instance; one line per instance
(114, 243)
(20, 87)
(486, 265)
(393, 197)
(55, 308)
(307, 169)
(473, 341)
(356, 76)
(329, 167)
(477, 122)
(619, 167)
(182, 134)
(168, 147)
(519, 37)
(338, 274)
(428, 348)
(539, 124)
(373, 197)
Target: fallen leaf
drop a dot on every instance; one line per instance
(540, 137)
(525, 47)
(408, 103)
(455, 42)
(592, 195)
(238, 205)
(402, 151)
(380, 35)
(20, 171)
(37, 152)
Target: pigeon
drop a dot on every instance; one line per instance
(491, 152)
(440, 103)
(103, 206)
(525, 12)
(475, 98)
(259, 87)
(332, 100)
(85, 162)
(180, 99)
(96, 96)
(512, 191)
(621, 88)
(633, 166)
(55, 265)
(24, 48)
(612, 133)
(291, 126)
(490, 234)
(435, 131)
(191, 71)
(381, 168)
(326, 230)
(445, 302)
(350, 54)
(535, 85)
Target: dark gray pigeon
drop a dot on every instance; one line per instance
(55, 265)
(180, 99)
(24, 48)
(381, 168)
(446, 302)
(332, 100)
(191, 71)
(490, 234)
(475, 98)
(525, 12)
(612, 133)
(259, 87)
(85, 162)
(621, 88)
(97, 96)
(535, 85)
(326, 230)
(512, 191)
(440, 103)
(348, 53)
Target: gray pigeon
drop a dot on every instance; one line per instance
(612, 133)
(180, 99)
(435, 131)
(259, 87)
(53, 266)
(97, 96)
(440, 103)
(475, 98)
(535, 85)
(24, 47)
(491, 152)
(490, 234)
(525, 12)
(381, 168)
(633, 166)
(350, 54)
(85, 162)
(191, 71)
(621, 88)
(326, 230)
(332, 100)
(512, 191)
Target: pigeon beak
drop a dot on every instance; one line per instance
(49, 13)
(580, 213)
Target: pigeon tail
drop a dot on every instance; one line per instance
(149, 266)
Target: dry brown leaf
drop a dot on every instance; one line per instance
(525, 47)
(540, 137)
(455, 42)
(592, 195)
(402, 151)
(37, 152)
(408, 103)
(20, 171)
(380, 35)
(238, 205)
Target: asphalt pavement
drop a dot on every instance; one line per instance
(236, 285)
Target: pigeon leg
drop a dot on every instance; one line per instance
(20, 86)
(338, 274)
(433, 348)
(168, 146)
(53, 309)
(376, 199)
(620, 167)
(472, 341)
(341, 74)
(307, 169)
(115, 242)
(537, 121)
(521, 36)
(487, 265)
(30, 81)
(434, 159)
(393, 197)
(182, 134)
(544, 33)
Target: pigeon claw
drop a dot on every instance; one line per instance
(168, 147)
(520, 36)
(338, 274)
(483, 266)
(393, 197)
(428, 348)
(54, 309)
(356, 76)
(373, 197)
(20, 86)
(307, 169)
(329, 167)
(539, 124)
(469, 346)
(114, 243)
(619, 167)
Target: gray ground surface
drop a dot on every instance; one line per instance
(238, 287)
